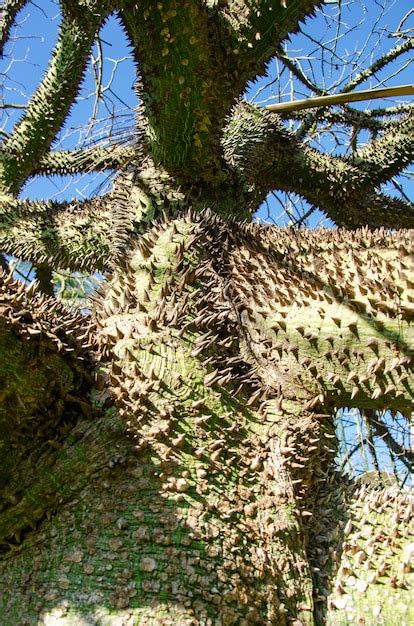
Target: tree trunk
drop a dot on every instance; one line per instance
(198, 497)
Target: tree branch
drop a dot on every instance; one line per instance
(387, 157)
(379, 64)
(85, 236)
(404, 455)
(184, 84)
(73, 235)
(271, 157)
(255, 31)
(348, 116)
(324, 314)
(84, 160)
(338, 293)
(194, 60)
(47, 111)
(294, 68)
(376, 210)
(8, 13)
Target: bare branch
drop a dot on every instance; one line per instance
(404, 455)
(10, 105)
(379, 64)
(297, 71)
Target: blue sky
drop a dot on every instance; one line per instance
(361, 35)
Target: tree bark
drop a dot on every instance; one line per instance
(198, 497)
(173, 461)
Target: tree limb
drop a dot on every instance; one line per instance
(184, 84)
(376, 210)
(388, 156)
(220, 47)
(256, 30)
(85, 236)
(74, 235)
(47, 110)
(349, 116)
(404, 455)
(84, 160)
(271, 157)
(294, 68)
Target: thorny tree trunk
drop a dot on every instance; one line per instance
(173, 464)
(206, 494)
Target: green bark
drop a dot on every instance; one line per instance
(174, 464)
(195, 59)
(207, 494)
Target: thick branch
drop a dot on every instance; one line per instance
(8, 13)
(47, 111)
(185, 83)
(72, 235)
(194, 60)
(337, 316)
(271, 157)
(86, 235)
